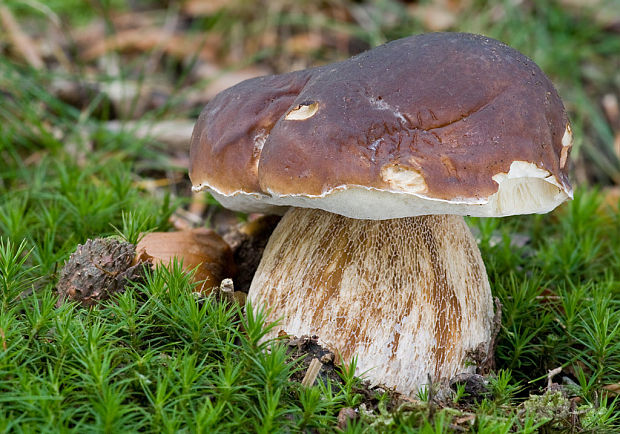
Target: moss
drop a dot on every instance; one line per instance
(550, 409)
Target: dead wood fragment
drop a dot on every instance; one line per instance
(550, 374)
(311, 373)
(306, 349)
(227, 292)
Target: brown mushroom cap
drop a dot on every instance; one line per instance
(439, 123)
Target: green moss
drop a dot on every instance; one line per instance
(156, 359)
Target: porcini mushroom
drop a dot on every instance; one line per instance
(375, 160)
(201, 250)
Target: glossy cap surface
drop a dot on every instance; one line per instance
(439, 123)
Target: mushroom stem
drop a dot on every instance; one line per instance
(410, 296)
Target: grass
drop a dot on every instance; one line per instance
(158, 358)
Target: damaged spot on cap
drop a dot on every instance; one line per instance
(303, 111)
(402, 178)
(259, 141)
(567, 144)
(526, 186)
(525, 170)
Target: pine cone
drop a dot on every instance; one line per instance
(98, 269)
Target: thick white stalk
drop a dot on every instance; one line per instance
(410, 296)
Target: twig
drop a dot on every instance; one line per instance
(552, 374)
(3, 339)
(20, 40)
(312, 373)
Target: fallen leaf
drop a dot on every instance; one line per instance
(147, 39)
(175, 133)
(197, 8)
(304, 43)
(433, 16)
(439, 15)
(22, 43)
(218, 80)
(613, 389)
(611, 199)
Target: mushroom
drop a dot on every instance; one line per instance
(201, 250)
(102, 267)
(373, 161)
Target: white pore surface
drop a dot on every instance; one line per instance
(525, 189)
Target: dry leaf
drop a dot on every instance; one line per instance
(612, 389)
(219, 80)
(433, 16)
(345, 415)
(22, 44)
(197, 8)
(611, 109)
(611, 199)
(303, 43)
(467, 418)
(147, 39)
(438, 15)
(175, 133)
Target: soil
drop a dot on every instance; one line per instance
(248, 241)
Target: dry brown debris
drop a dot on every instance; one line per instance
(247, 241)
(98, 269)
(22, 43)
(345, 415)
(102, 267)
(200, 249)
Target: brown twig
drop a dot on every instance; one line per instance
(552, 374)
(20, 40)
(4, 347)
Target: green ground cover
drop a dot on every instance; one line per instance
(159, 359)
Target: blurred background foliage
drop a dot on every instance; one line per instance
(163, 60)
